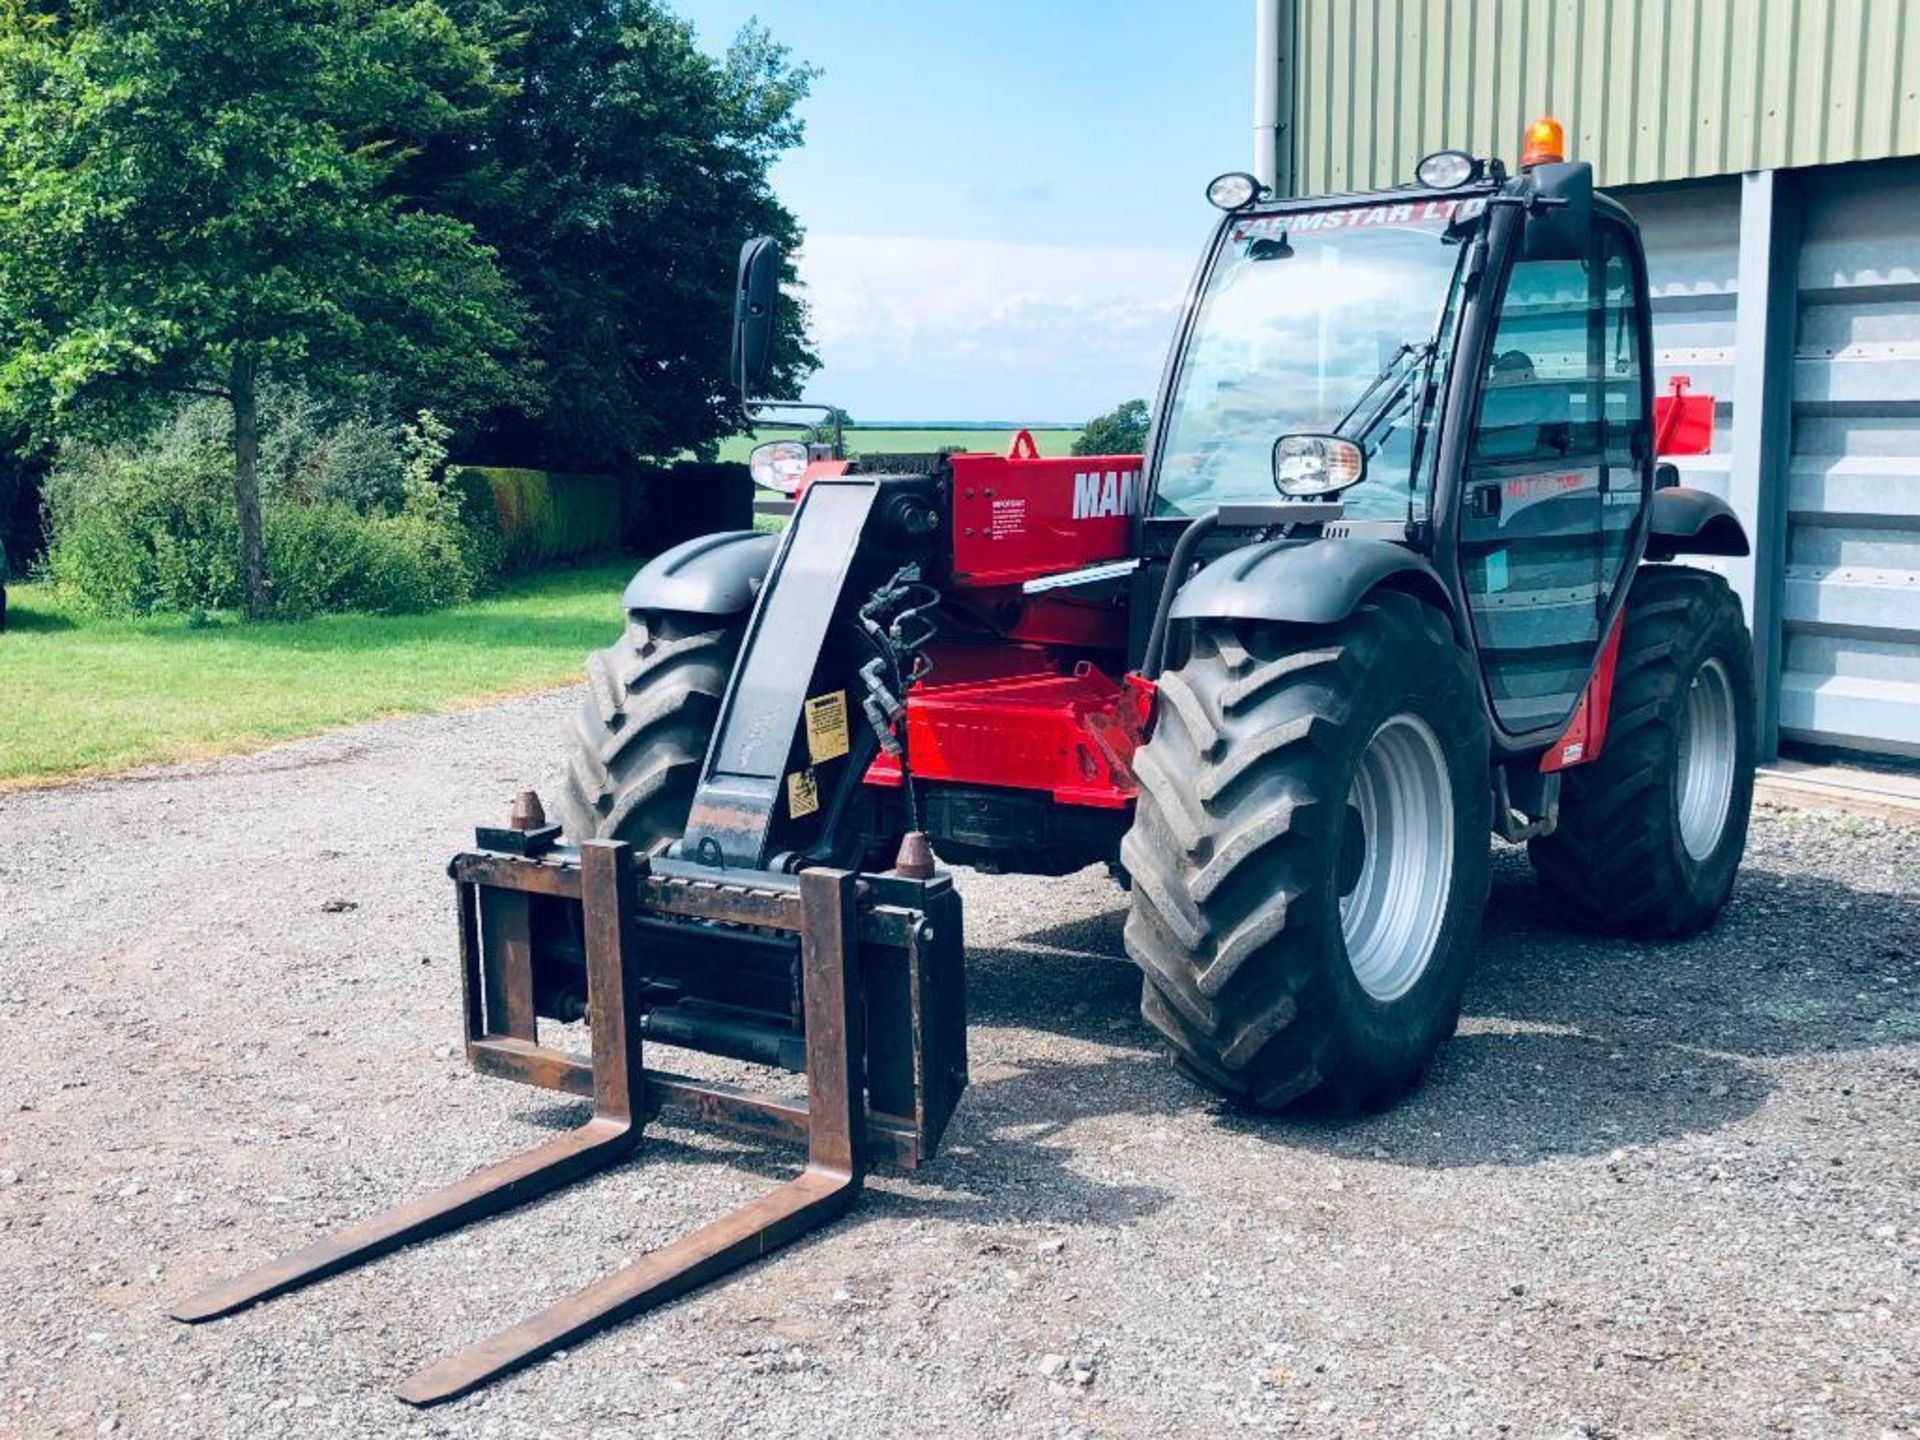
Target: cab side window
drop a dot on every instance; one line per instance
(1538, 397)
(1530, 528)
(1557, 475)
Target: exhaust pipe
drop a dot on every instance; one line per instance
(1266, 92)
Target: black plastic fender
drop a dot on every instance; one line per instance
(1305, 582)
(717, 574)
(1693, 522)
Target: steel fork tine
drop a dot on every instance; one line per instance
(745, 1235)
(486, 1192)
(824, 1190)
(607, 873)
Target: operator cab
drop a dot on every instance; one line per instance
(1460, 367)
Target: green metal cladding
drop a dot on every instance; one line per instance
(1649, 90)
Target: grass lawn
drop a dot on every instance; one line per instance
(80, 696)
(912, 440)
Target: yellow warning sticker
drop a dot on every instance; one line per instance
(803, 794)
(827, 727)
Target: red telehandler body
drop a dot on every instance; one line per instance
(1396, 569)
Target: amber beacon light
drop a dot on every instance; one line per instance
(1546, 143)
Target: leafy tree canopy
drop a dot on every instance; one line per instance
(1121, 431)
(616, 184)
(189, 183)
(199, 195)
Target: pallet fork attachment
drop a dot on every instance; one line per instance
(879, 1003)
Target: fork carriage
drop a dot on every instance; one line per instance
(855, 979)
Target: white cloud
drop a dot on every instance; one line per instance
(942, 329)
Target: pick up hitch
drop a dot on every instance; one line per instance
(875, 989)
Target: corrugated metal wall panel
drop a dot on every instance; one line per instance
(1650, 90)
(1692, 233)
(1851, 659)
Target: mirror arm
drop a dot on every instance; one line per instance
(1530, 204)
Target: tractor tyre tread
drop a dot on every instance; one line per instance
(1233, 909)
(1615, 861)
(636, 742)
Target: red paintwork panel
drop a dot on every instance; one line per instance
(1682, 422)
(1069, 733)
(1052, 619)
(1581, 743)
(1017, 518)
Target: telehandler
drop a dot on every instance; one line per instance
(1396, 569)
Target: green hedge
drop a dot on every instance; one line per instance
(151, 537)
(671, 503)
(543, 516)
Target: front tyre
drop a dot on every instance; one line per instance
(1309, 855)
(1651, 833)
(634, 749)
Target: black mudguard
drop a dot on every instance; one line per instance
(1693, 522)
(708, 575)
(1305, 582)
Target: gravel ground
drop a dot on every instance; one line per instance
(1649, 1190)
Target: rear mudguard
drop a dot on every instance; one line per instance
(1305, 582)
(1693, 522)
(708, 575)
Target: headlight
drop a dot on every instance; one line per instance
(1312, 465)
(778, 465)
(1447, 170)
(1234, 191)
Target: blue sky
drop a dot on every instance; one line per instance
(1003, 201)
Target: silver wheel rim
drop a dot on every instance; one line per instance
(1706, 759)
(1402, 800)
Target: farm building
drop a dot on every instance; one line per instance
(1771, 151)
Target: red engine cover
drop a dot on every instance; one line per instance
(1017, 517)
(1004, 717)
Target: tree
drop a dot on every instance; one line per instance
(1121, 431)
(200, 196)
(617, 183)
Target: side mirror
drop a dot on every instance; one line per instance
(1560, 226)
(753, 297)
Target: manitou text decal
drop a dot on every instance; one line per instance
(1098, 494)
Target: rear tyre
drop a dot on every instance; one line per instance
(1309, 855)
(1651, 833)
(634, 749)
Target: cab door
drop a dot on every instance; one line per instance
(1556, 476)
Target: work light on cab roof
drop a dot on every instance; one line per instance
(1233, 191)
(1448, 170)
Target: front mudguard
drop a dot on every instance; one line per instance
(1306, 582)
(708, 575)
(1693, 522)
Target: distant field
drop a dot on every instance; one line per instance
(913, 440)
